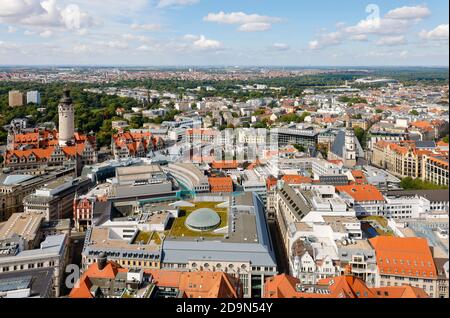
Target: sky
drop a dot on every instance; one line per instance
(224, 32)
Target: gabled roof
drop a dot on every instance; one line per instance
(404, 291)
(93, 272)
(284, 286)
(410, 257)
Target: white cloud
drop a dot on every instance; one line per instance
(7, 46)
(45, 14)
(359, 37)
(247, 22)
(146, 27)
(46, 34)
(280, 47)
(82, 31)
(13, 8)
(379, 27)
(28, 32)
(384, 54)
(202, 43)
(81, 48)
(139, 38)
(190, 37)
(239, 18)
(120, 45)
(206, 44)
(389, 29)
(255, 27)
(325, 40)
(392, 40)
(75, 19)
(12, 29)
(440, 33)
(144, 48)
(314, 45)
(175, 3)
(409, 13)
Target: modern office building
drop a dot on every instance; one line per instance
(189, 176)
(142, 182)
(55, 200)
(287, 136)
(33, 97)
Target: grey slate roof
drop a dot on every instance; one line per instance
(432, 195)
(38, 280)
(183, 252)
(425, 144)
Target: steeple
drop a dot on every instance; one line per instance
(350, 148)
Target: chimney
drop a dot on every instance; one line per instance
(101, 261)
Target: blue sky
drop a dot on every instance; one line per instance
(224, 32)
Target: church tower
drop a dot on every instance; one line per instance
(66, 119)
(350, 148)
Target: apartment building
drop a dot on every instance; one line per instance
(409, 159)
(435, 169)
(16, 99)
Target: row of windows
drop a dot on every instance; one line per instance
(27, 266)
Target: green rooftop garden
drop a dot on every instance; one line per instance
(147, 238)
(179, 228)
(382, 228)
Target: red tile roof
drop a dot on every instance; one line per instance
(410, 257)
(284, 286)
(362, 193)
(295, 179)
(221, 184)
(192, 284)
(225, 164)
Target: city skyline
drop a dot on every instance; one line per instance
(213, 33)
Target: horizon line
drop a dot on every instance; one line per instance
(220, 65)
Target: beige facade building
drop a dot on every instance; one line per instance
(13, 188)
(404, 159)
(435, 169)
(16, 99)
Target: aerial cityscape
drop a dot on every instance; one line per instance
(178, 149)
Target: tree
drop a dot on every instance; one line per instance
(260, 124)
(417, 184)
(414, 113)
(300, 148)
(259, 112)
(445, 139)
(361, 134)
